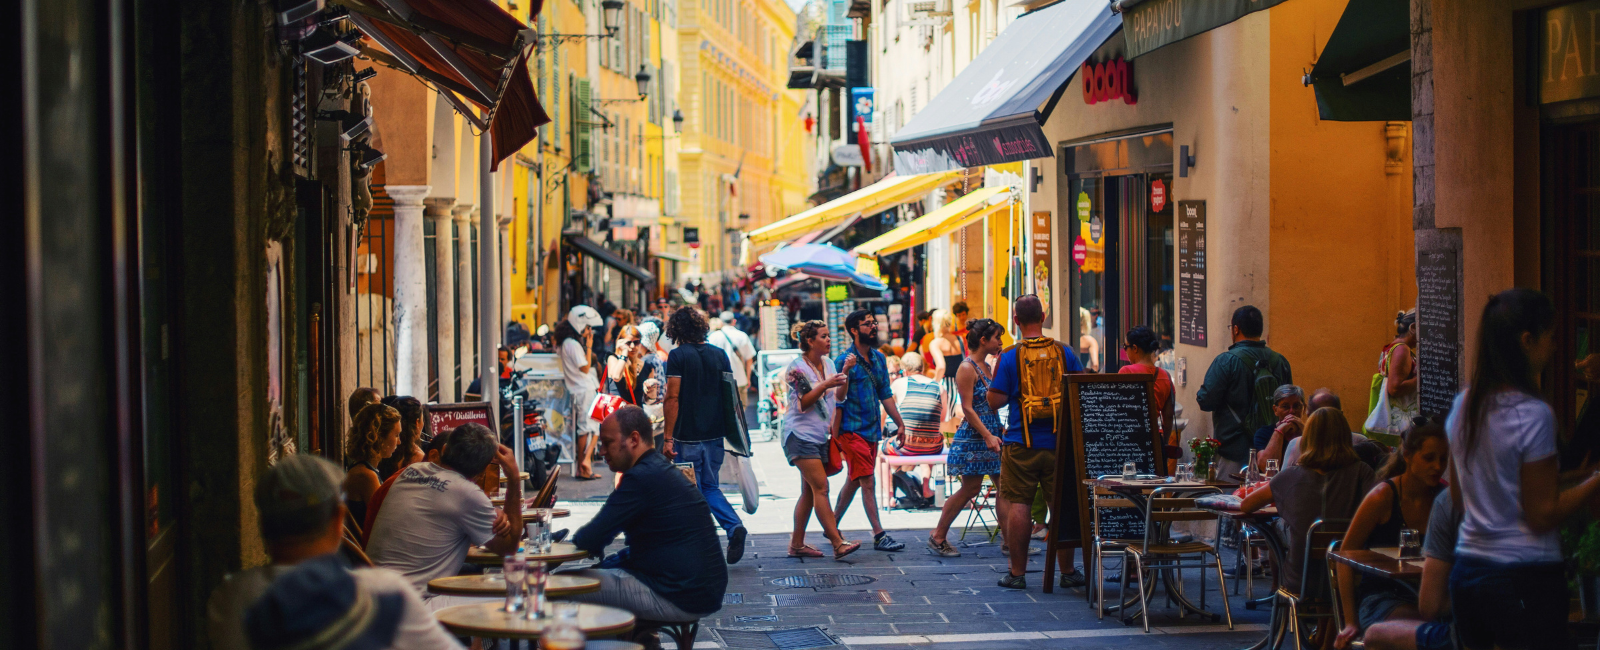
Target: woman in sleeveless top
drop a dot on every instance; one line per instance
(945, 349)
(1412, 478)
(628, 371)
(373, 437)
(1399, 368)
(975, 452)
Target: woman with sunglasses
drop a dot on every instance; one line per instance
(1142, 345)
(629, 370)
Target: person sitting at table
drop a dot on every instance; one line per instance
(1288, 419)
(360, 398)
(672, 569)
(1430, 629)
(430, 454)
(1371, 453)
(323, 605)
(374, 436)
(1403, 500)
(1328, 483)
(410, 449)
(434, 512)
(302, 521)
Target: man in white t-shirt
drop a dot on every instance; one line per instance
(434, 512)
(736, 344)
(576, 352)
(302, 519)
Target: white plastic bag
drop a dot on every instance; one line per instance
(749, 487)
(1378, 420)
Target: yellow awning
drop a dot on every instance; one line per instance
(877, 197)
(954, 215)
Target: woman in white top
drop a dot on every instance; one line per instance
(574, 339)
(813, 390)
(945, 353)
(1508, 585)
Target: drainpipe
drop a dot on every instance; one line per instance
(489, 325)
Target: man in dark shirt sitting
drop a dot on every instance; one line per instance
(672, 568)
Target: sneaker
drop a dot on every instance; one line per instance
(942, 549)
(736, 544)
(1073, 580)
(883, 542)
(1013, 582)
(1039, 531)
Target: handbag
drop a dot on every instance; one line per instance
(749, 487)
(834, 462)
(736, 436)
(1378, 419)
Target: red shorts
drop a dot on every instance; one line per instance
(854, 451)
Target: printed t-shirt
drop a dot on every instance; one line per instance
(810, 425)
(1008, 380)
(430, 518)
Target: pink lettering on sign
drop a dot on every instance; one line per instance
(1107, 81)
(444, 417)
(1014, 147)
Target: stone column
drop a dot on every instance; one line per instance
(504, 224)
(466, 307)
(437, 211)
(410, 291)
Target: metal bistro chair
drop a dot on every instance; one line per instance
(1320, 536)
(1333, 586)
(1250, 543)
(983, 500)
(1101, 499)
(1156, 551)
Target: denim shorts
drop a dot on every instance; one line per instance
(1512, 606)
(1434, 635)
(795, 449)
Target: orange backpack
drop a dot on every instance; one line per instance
(1042, 365)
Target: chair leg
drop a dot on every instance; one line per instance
(1294, 622)
(1227, 610)
(1122, 593)
(1144, 607)
(1099, 584)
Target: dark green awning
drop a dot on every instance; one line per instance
(1364, 73)
(1152, 24)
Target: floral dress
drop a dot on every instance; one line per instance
(968, 456)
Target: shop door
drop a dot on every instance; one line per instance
(1571, 229)
(1126, 279)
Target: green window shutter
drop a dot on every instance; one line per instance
(582, 132)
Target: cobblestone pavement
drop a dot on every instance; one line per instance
(917, 600)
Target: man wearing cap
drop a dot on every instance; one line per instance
(741, 352)
(434, 512)
(302, 522)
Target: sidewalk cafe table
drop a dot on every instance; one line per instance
(491, 621)
(559, 552)
(1138, 492)
(1261, 522)
(560, 585)
(1383, 563)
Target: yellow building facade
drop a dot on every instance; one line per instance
(742, 159)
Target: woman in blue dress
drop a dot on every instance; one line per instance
(975, 452)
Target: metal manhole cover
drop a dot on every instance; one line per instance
(805, 638)
(732, 599)
(823, 580)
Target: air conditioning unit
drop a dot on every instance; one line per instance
(928, 9)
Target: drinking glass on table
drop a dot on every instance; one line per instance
(1130, 471)
(537, 522)
(1271, 469)
(516, 573)
(1410, 544)
(538, 577)
(493, 574)
(563, 633)
(1183, 473)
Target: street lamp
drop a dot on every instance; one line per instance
(677, 121)
(643, 78)
(611, 11)
(610, 14)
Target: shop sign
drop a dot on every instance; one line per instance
(1095, 262)
(1158, 195)
(1192, 273)
(848, 155)
(1080, 252)
(1156, 23)
(1096, 229)
(836, 293)
(1567, 48)
(1041, 239)
(1108, 81)
(1084, 206)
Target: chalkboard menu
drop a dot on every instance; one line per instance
(1113, 422)
(1438, 329)
(1192, 272)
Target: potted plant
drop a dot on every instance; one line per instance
(1580, 544)
(1205, 451)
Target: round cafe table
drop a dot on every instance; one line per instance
(559, 552)
(490, 621)
(560, 585)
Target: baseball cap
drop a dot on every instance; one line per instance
(319, 606)
(583, 316)
(298, 495)
(726, 316)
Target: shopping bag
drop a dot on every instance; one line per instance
(749, 487)
(604, 406)
(1378, 419)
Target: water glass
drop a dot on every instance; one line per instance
(538, 577)
(1130, 471)
(1271, 469)
(516, 573)
(563, 633)
(493, 574)
(1183, 473)
(537, 522)
(1410, 544)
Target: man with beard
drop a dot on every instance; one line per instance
(860, 425)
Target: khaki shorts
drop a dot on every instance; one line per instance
(1023, 471)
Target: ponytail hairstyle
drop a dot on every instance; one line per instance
(1403, 322)
(1500, 362)
(980, 329)
(1411, 444)
(370, 424)
(806, 330)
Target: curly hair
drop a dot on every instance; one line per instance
(370, 424)
(687, 326)
(411, 412)
(805, 330)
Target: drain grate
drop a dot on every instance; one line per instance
(732, 599)
(823, 580)
(804, 638)
(765, 618)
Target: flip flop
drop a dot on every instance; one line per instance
(804, 550)
(840, 552)
(588, 478)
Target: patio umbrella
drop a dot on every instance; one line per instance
(824, 261)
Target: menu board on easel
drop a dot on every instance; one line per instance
(1113, 422)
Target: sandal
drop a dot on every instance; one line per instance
(840, 551)
(804, 550)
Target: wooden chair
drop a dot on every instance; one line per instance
(1103, 499)
(350, 541)
(1320, 536)
(1155, 551)
(546, 497)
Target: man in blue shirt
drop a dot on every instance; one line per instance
(861, 422)
(1027, 457)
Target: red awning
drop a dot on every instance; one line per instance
(471, 51)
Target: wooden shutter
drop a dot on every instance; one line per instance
(582, 131)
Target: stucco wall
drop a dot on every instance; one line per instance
(403, 110)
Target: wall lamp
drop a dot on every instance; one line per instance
(643, 79)
(611, 13)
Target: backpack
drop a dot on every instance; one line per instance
(908, 492)
(1262, 385)
(1041, 364)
